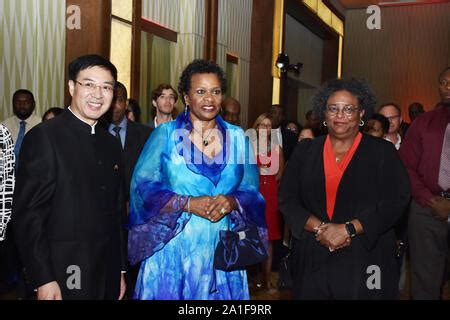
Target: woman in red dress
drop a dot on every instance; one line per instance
(270, 163)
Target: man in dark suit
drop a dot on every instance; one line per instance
(132, 137)
(286, 138)
(68, 201)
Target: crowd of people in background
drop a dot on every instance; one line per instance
(140, 205)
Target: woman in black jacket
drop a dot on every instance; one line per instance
(341, 195)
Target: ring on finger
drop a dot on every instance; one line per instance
(222, 211)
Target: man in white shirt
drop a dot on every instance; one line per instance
(23, 107)
(393, 113)
(23, 119)
(164, 98)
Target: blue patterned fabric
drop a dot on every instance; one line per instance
(177, 248)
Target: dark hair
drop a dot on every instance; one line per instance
(133, 106)
(120, 85)
(159, 90)
(298, 125)
(381, 119)
(228, 100)
(89, 61)
(277, 106)
(442, 73)
(200, 66)
(357, 87)
(417, 105)
(22, 91)
(396, 106)
(313, 131)
(415, 109)
(55, 110)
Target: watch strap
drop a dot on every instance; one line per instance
(351, 230)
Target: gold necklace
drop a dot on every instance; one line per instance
(205, 139)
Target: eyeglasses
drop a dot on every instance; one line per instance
(91, 86)
(444, 83)
(348, 109)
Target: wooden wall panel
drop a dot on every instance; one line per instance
(260, 90)
(402, 60)
(136, 52)
(330, 58)
(94, 35)
(211, 10)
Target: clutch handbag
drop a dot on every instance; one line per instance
(237, 249)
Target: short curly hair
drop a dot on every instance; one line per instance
(196, 67)
(357, 87)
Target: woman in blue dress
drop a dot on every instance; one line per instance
(196, 176)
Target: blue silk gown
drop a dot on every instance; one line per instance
(176, 248)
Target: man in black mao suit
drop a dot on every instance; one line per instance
(68, 201)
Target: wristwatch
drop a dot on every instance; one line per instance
(351, 230)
